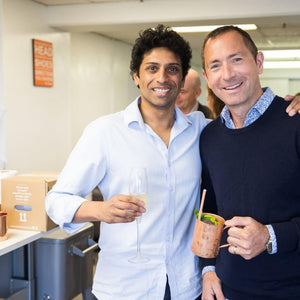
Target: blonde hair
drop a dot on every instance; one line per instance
(215, 104)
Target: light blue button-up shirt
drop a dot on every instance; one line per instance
(108, 148)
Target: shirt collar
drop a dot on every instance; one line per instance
(255, 112)
(133, 116)
(195, 107)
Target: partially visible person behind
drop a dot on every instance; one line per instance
(251, 176)
(294, 106)
(214, 103)
(187, 99)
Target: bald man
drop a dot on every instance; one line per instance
(187, 98)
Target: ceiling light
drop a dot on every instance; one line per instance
(282, 65)
(211, 27)
(281, 54)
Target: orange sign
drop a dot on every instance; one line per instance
(42, 63)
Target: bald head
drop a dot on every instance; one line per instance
(194, 78)
(187, 98)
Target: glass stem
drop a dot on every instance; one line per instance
(138, 249)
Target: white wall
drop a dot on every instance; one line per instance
(100, 79)
(281, 81)
(37, 120)
(2, 131)
(91, 78)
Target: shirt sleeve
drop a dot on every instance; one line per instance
(83, 171)
(208, 269)
(273, 238)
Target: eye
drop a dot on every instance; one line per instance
(173, 69)
(214, 66)
(237, 59)
(152, 68)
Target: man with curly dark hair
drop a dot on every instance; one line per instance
(161, 36)
(154, 134)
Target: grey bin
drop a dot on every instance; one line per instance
(64, 264)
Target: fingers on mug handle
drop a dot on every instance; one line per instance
(225, 245)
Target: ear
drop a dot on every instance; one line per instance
(198, 92)
(182, 83)
(260, 62)
(136, 79)
(205, 77)
(204, 74)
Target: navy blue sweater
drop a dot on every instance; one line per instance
(255, 171)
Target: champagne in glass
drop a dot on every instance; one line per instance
(138, 187)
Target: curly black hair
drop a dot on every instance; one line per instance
(161, 36)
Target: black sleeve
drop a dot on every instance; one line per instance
(210, 205)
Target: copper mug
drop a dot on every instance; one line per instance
(207, 237)
(3, 226)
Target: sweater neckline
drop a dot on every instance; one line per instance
(256, 123)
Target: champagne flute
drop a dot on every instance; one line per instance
(138, 187)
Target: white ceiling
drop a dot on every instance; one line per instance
(70, 2)
(278, 21)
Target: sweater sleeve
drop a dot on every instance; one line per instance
(210, 205)
(288, 235)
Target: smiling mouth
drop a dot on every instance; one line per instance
(228, 88)
(161, 91)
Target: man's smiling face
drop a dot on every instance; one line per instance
(160, 77)
(231, 70)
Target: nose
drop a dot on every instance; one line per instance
(162, 76)
(227, 71)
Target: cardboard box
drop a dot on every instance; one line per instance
(23, 198)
